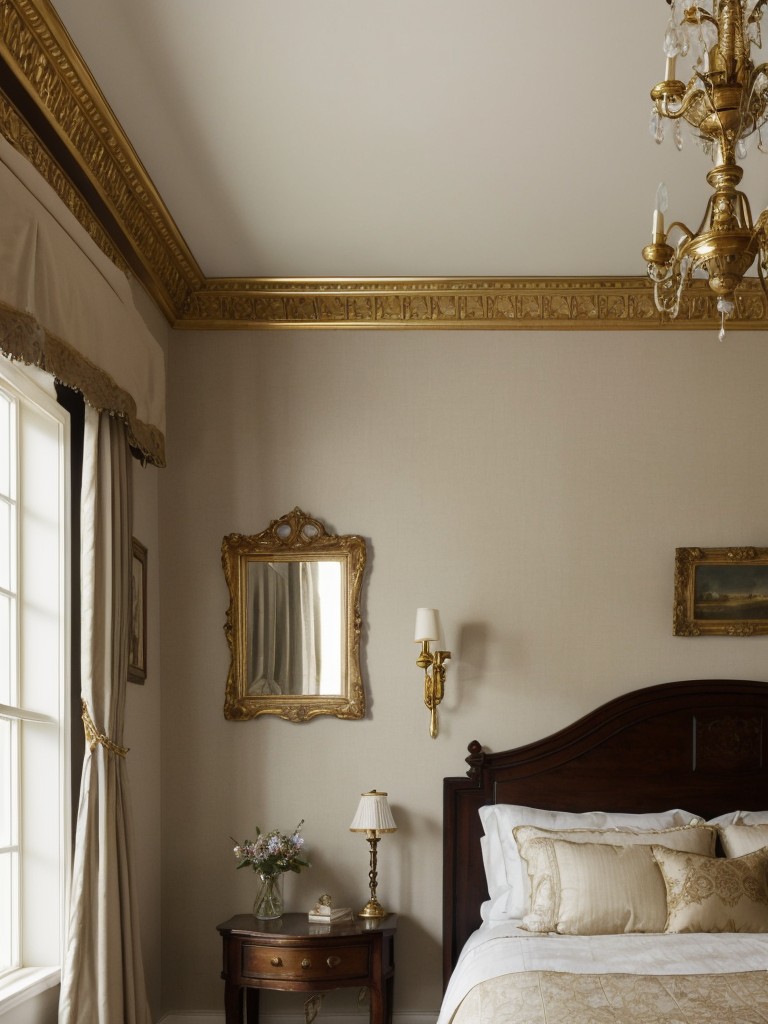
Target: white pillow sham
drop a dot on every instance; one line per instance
(740, 818)
(507, 880)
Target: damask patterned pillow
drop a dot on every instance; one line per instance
(714, 894)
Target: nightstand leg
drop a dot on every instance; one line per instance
(389, 987)
(233, 1004)
(252, 1005)
(381, 1003)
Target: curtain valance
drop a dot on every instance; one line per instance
(65, 307)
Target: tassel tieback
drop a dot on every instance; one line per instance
(94, 737)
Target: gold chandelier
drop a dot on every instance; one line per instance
(725, 101)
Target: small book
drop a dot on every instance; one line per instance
(333, 916)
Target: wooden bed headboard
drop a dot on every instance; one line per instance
(697, 744)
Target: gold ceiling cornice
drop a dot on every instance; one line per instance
(52, 111)
(501, 303)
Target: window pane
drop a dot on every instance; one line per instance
(33, 442)
(9, 957)
(9, 893)
(7, 783)
(7, 443)
(7, 546)
(7, 491)
(7, 650)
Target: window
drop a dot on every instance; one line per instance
(34, 676)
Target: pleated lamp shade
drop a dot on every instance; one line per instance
(373, 814)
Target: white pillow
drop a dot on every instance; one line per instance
(741, 818)
(752, 818)
(505, 873)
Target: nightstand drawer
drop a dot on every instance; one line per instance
(320, 964)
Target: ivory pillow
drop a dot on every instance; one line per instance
(740, 839)
(714, 894)
(545, 873)
(604, 890)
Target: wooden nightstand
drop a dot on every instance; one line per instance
(292, 955)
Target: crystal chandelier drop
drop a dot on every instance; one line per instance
(725, 101)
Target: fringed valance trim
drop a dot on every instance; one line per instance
(24, 339)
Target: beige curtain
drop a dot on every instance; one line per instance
(103, 976)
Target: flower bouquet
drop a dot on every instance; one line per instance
(271, 854)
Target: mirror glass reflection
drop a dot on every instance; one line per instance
(295, 627)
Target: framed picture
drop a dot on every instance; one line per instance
(137, 657)
(721, 591)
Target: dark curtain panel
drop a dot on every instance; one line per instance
(73, 402)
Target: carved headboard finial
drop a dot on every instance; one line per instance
(475, 759)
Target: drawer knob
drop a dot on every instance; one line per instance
(333, 961)
(305, 963)
(276, 961)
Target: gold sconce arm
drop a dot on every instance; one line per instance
(434, 684)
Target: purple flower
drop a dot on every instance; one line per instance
(272, 853)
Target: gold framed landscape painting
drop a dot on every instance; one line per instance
(721, 591)
(137, 656)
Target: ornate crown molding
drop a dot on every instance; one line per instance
(584, 303)
(52, 111)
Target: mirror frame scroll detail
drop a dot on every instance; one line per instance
(294, 537)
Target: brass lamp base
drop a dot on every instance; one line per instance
(372, 909)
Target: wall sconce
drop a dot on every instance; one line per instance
(373, 817)
(428, 629)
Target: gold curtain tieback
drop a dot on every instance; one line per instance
(94, 737)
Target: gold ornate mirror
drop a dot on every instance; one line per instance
(293, 623)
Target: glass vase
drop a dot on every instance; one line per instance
(268, 905)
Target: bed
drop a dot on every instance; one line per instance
(687, 758)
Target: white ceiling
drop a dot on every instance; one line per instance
(345, 138)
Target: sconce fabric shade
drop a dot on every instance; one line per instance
(373, 814)
(427, 625)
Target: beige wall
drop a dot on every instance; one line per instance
(533, 486)
(143, 737)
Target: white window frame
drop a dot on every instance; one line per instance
(37, 706)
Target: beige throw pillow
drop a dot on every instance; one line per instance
(740, 839)
(545, 873)
(714, 894)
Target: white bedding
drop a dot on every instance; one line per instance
(495, 950)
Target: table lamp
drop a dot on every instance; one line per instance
(373, 817)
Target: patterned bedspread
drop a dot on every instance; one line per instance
(550, 997)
